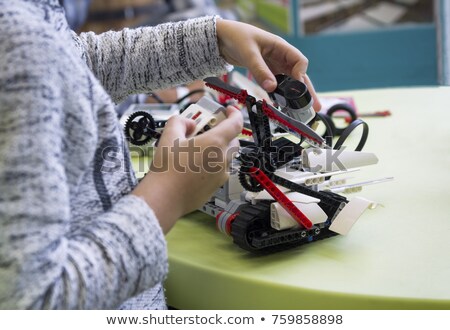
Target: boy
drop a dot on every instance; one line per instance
(74, 231)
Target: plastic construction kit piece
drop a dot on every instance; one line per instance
(294, 98)
(284, 202)
(160, 112)
(140, 128)
(350, 214)
(143, 123)
(206, 113)
(282, 189)
(328, 160)
(281, 198)
(264, 111)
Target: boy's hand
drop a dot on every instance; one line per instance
(186, 171)
(263, 53)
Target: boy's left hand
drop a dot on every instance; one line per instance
(263, 53)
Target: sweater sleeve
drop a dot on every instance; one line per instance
(48, 259)
(149, 58)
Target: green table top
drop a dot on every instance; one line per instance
(395, 257)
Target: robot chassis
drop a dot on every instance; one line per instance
(274, 198)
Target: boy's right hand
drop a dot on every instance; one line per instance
(186, 171)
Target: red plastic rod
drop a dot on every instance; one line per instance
(281, 198)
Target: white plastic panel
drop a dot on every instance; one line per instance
(280, 218)
(327, 160)
(350, 214)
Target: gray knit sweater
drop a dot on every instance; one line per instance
(71, 236)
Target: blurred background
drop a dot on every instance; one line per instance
(351, 44)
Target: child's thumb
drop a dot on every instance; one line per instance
(176, 128)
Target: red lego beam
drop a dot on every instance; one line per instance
(281, 198)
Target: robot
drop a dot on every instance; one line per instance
(282, 188)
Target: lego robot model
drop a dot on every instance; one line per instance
(281, 191)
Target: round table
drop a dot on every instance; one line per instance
(395, 257)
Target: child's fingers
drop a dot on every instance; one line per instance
(176, 128)
(261, 72)
(317, 106)
(233, 150)
(275, 55)
(296, 61)
(229, 128)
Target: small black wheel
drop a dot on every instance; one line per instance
(249, 184)
(249, 157)
(252, 156)
(139, 128)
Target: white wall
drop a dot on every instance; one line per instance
(443, 29)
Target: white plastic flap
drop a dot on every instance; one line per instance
(297, 197)
(328, 160)
(350, 214)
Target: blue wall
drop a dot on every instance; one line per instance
(400, 56)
